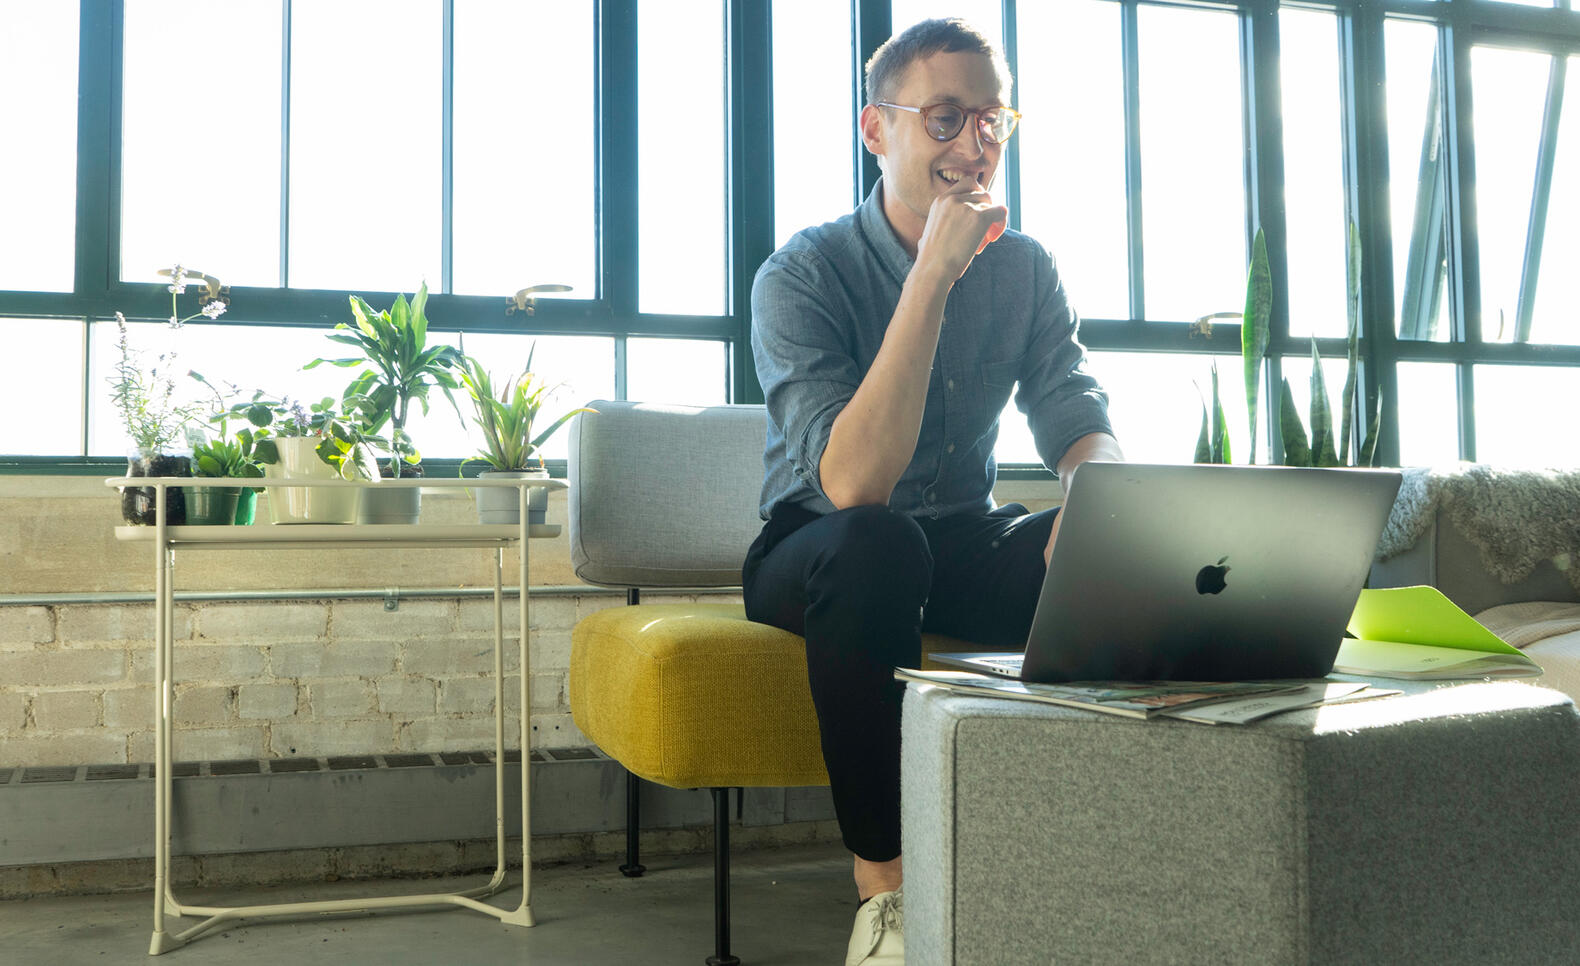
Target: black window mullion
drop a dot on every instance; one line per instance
(616, 64)
(1530, 271)
(447, 151)
(285, 143)
(751, 199)
(1130, 59)
(1362, 73)
(874, 21)
(98, 153)
(1464, 270)
(1262, 112)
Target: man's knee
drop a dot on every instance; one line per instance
(874, 546)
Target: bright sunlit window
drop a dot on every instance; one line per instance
(38, 189)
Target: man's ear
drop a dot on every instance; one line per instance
(871, 123)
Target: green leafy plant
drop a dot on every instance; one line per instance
(226, 455)
(342, 441)
(399, 368)
(1318, 449)
(507, 417)
(1212, 442)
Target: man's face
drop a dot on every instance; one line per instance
(916, 168)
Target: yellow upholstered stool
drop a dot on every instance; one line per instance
(697, 696)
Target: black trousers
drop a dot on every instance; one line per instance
(862, 585)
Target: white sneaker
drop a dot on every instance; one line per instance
(879, 936)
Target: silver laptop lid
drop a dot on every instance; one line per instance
(1198, 572)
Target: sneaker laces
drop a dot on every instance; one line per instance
(888, 913)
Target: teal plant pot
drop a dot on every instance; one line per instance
(246, 507)
(212, 506)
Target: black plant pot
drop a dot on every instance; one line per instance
(138, 502)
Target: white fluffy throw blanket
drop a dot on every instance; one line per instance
(1516, 518)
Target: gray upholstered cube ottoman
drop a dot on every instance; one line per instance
(1439, 826)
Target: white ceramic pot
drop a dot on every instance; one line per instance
(502, 505)
(307, 504)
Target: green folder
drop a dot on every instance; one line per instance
(1416, 632)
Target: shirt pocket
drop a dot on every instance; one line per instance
(999, 377)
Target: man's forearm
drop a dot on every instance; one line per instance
(1092, 446)
(874, 437)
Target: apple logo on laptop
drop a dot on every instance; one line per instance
(1210, 579)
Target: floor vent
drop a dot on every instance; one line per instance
(34, 775)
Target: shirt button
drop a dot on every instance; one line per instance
(950, 448)
(950, 385)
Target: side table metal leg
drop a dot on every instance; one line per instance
(721, 881)
(633, 866)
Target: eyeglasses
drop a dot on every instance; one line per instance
(944, 121)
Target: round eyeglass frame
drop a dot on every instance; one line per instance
(983, 125)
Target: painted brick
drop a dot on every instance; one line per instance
(310, 738)
(406, 696)
(466, 696)
(592, 603)
(547, 692)
(340, 699)
(557, 731)
(22, 627)
(451, 734)
(62, 668)
(129, 709)
(476, 616)
(265, 701)
(203, 704)
(202, 662)
(264, 623)
(13, 711)
(55, 711)
(72, 748)
(216, 744)
(455, 655)
(91, 624)
(333, 660)
(368, 620)
(551, 649)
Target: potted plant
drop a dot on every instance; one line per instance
(399, 367)
(315, 442)
(156, 423)
(225, 456)
(506, 419)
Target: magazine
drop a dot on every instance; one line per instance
(1257, 707)
(1133, 699)
(1416, 632)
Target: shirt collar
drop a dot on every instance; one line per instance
(880, 234)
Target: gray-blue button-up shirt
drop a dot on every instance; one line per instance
(820, 307)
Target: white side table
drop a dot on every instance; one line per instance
(166, 540)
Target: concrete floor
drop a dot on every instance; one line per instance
(790, 906)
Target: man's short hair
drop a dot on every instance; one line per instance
(886, 69)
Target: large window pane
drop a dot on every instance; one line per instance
(38, 174)
(1554, 316)
(1072, 92)
(1155, 402)
(986, 15)
(1520, 416)
(1428, 414)
(524, 197)
(815, 120)
(1510, 87)
(1297, 372)
(200, 149)
(1193, 204)
(50, 394)
(366, 78)
(689, 371)
(1314, 168)
(1417, 163)
(252, 357)
(680, 142)
(577, 368)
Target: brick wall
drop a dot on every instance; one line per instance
(279, 679)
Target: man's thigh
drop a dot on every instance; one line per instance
(987, 575)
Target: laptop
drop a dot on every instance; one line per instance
(1200, 573)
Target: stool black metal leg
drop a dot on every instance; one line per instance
(721, 880)
(633, 866)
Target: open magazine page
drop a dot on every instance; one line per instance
(1135, 699)
(1247, 710)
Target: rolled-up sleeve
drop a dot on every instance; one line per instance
(806, 367)
(1061, 400)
